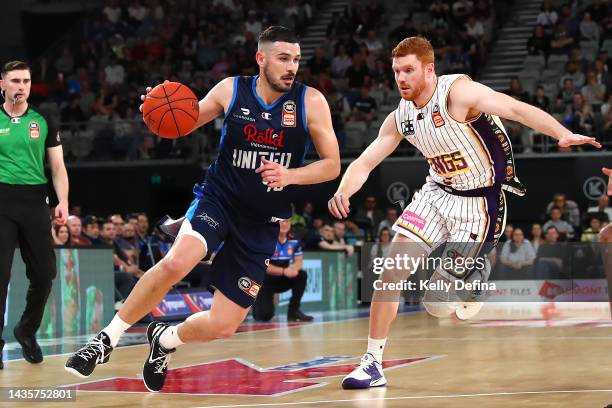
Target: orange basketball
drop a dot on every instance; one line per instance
(170, 110)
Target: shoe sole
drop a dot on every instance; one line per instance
(150, 348)
(23, 347)
(75, 372)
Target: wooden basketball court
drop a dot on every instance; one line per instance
(542, 359)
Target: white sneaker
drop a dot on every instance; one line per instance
(470, 308)
(368, 374)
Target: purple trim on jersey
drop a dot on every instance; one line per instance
(482, 127)
(492, 198)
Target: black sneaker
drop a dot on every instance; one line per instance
(96, 351)
(156, 366)
(29, 347)
(299, 316)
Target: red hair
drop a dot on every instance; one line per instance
(418, 46)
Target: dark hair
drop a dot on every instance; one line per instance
(14, 66)
(555, 207)
(89, 220)
(277, 33)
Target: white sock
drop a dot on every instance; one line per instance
(170, 338)
(376, 347)
(115, 329)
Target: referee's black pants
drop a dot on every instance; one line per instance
(263, 309)
(25, 221)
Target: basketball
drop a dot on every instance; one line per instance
(170, 110)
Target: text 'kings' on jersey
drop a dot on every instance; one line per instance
(463, 155)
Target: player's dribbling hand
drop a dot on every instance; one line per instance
(291, 272)
(608, 172)
(273, 174)
(575, 140)
(147, 90)
(339, 206)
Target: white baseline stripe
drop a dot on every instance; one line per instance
(492, 394)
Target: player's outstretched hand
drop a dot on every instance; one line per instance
(273, 174)
(147, 90)
(339, 206)
(608, 172)
(575, 140)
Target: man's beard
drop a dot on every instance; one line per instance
(276, 86)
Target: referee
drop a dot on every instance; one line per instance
(26, 138)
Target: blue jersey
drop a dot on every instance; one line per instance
(252, 130)
(284, 253)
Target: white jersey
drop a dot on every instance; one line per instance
(462, 155)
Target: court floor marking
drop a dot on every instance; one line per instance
(491, 394)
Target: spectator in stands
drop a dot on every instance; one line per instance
(603, 76)
(551, 257)
(390, 218)
(142, 229)
(561, 42)
(383, 243)
(357, 72)
(343, 236)
(406, 29)
(540, 99)
(340, 113)
(364, 107)
(569, 209)
(307, 213)
(375, 47)
(76, 232)
(440, 14)
(284, 273)
(591, 234)
(91, 230)
(329, 243)
(65, 63)
(565, 98)
(458, 59)
(581, 62)
(539, 42)
(536, 236)
(318, 63)
(599, 11)
(126, 272)
(61, 234)
(548, 16)
(517, 254)
(475, 29)
(252, 24)
(602, 206)
(593, 92)
(341, 62)
(369, 216)
(118, 222)
(564, 228)
(589, 30)
(572, 72)
(584, 120)
(507, 236)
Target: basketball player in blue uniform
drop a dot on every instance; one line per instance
(454, 122)
(268, 120)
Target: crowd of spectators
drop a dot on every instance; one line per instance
(564, 244)
(93, 82)
(552, 247)
(567, 72)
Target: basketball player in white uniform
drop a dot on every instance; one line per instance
(454, 123)
(605, 241)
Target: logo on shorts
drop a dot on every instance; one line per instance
(209, 220)
(267, 261)
(288, 119)
(248, 286)
(411, 218)
(34, 130)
